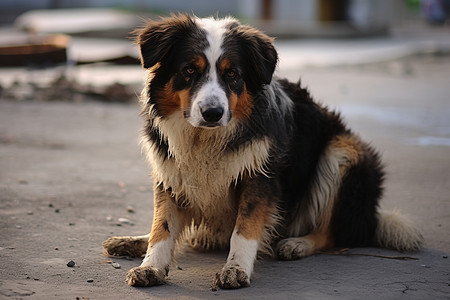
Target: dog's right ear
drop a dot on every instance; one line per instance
(158, 38)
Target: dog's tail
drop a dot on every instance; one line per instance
(394, 231)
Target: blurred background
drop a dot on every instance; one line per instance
(38, 34)
(294, 17)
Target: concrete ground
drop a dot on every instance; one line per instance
(71, 175)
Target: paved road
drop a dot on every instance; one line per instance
(69, 171)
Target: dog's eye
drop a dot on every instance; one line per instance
(190, 71)
(231, 74)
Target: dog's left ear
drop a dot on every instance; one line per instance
(158, 38)
(260, 52)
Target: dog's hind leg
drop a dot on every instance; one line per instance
(132, 246)
(319, 207)
(298, 247)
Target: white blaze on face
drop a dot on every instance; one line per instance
(211, 94)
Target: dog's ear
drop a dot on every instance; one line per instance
(158, 38)
(260, 52)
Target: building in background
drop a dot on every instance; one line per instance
(289, 16)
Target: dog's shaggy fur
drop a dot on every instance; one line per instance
(247, 161)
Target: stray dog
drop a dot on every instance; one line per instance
(247, 161)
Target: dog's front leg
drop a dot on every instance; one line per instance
(167, 223)
(256, 215)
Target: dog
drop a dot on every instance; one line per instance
(246, 161)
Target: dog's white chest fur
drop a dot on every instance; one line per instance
(199, 170)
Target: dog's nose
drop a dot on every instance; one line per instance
(212, 114)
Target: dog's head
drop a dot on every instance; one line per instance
(209, 69)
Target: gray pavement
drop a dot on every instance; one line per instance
(71, 172)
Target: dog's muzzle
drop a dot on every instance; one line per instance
(209, 111)
(212, 113)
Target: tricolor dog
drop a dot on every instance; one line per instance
(245, 161)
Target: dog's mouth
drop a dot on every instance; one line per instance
(209, 125)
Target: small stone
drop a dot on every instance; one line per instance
(130, 209)
(56, 248)
(116, 265)
(124, 221)
(445, 256)
(179, 268)
(18, 227)
(109, 218)
(71, 224)
(90, 280)
(71, 264)
(57, 210)
(29, 213)
(50, 205)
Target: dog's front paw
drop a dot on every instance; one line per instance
(145, 276)
(232, 277)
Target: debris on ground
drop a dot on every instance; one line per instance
(63, 88)
(71, 264)
(116, 265)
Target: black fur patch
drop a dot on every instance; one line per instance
(354, 219)
(166, 226)
(255, 54)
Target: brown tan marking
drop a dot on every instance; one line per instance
(257, 211)
(225, 64)
(169, 219)
(241, 105)
(200, 63)
(353, 148)
(251, 222)
(164, 209)
(321, 239)
(298, 247)
(160, 231)
(170, 101)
